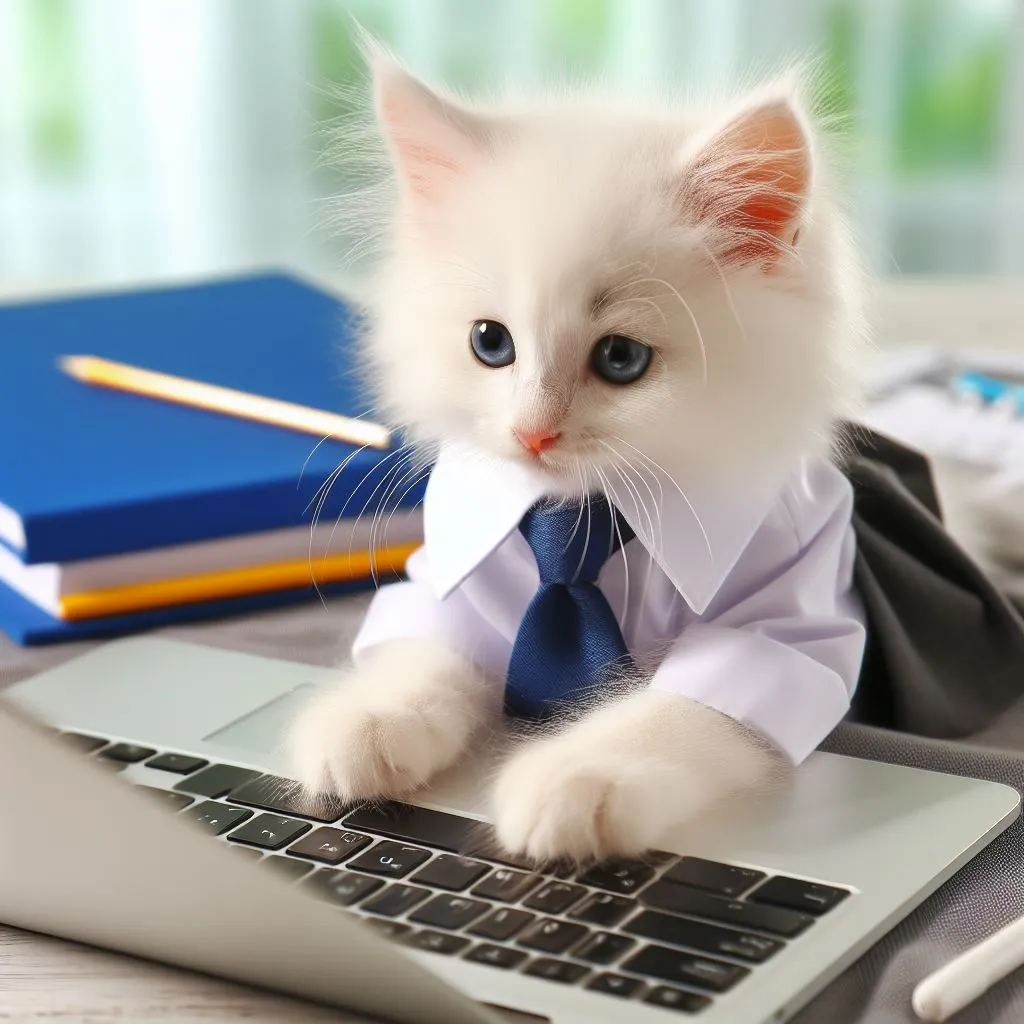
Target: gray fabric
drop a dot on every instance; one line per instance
(945, 647)
(876, 990)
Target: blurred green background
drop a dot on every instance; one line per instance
(150, 138)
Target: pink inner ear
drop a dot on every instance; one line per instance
(427, 136)
(423, 167)
(755, 179)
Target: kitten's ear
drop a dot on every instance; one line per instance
(432, 140)
(752, 179)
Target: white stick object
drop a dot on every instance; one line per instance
(105, 373)
(949, 989)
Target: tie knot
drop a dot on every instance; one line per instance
(572, 540)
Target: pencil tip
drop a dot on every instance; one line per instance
(71, 364)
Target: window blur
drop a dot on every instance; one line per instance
(177, 137)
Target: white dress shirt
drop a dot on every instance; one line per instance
(747, 606)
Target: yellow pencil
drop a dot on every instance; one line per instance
(122, 377)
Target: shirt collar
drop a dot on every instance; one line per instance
(475, 501)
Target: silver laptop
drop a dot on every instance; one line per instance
(212, 860)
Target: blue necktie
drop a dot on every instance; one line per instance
(569, 635)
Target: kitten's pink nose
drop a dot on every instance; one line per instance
(537, 442)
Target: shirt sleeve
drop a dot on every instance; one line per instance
(780, 647)
(401, 611)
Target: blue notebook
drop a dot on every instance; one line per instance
(86, 471)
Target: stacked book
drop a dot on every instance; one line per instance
(119, 511)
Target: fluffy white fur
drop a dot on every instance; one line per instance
(708, 234)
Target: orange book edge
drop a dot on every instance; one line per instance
(256, 579)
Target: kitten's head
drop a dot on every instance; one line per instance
(594, 288)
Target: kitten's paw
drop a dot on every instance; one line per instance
(614, 783)
(549, 806)
(406, 712)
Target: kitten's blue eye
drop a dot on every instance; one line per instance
(492, 344)
(620, 360)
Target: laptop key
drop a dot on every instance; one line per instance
(603, 948)
(679, 899)
(723, 879)
(269, 832)
(449, 911)
(677, 999)
(437, 942)
(128, 753)
(506, 885)
(705, 938)
(271, 793)
(218, 818)
(488, 850)
(180, 764)
(502, 924)
(552, 936)
(176, 801)
(415, 824)
(290, 869)
(554, 897)
(79, 740)
(388, 928)
(342, 887)
(684, 968)
(603, 909)
(396, 899)
(496, 956)
(391, 859)
(451, 872)
(329, 845)
(215, 781)
(615, 985)
(623, 876)
(556, 970)
(796, 894)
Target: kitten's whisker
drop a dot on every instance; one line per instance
(325, 488)
(634, 493)
(419, 473)
(379, 465)
(728, 291)
(376, 466)
(344, 462)
(640, 503)
(579, 518)
(675, 483)
(312, 452)
(400, 473)
(586, 542)
(462, 266)
(640, 470)
(622, 548)
(650, 302)
(375, 528)
(655, 476)
(690, 314)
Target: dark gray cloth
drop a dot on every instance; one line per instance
(945, 649)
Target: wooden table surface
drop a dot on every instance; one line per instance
(46, 979)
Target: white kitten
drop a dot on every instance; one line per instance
(573, 218)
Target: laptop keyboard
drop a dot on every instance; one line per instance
(672, 931)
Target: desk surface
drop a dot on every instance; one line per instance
(46, 979)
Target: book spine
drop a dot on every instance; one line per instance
(137, 526)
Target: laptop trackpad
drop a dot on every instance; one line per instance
(261, 731)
